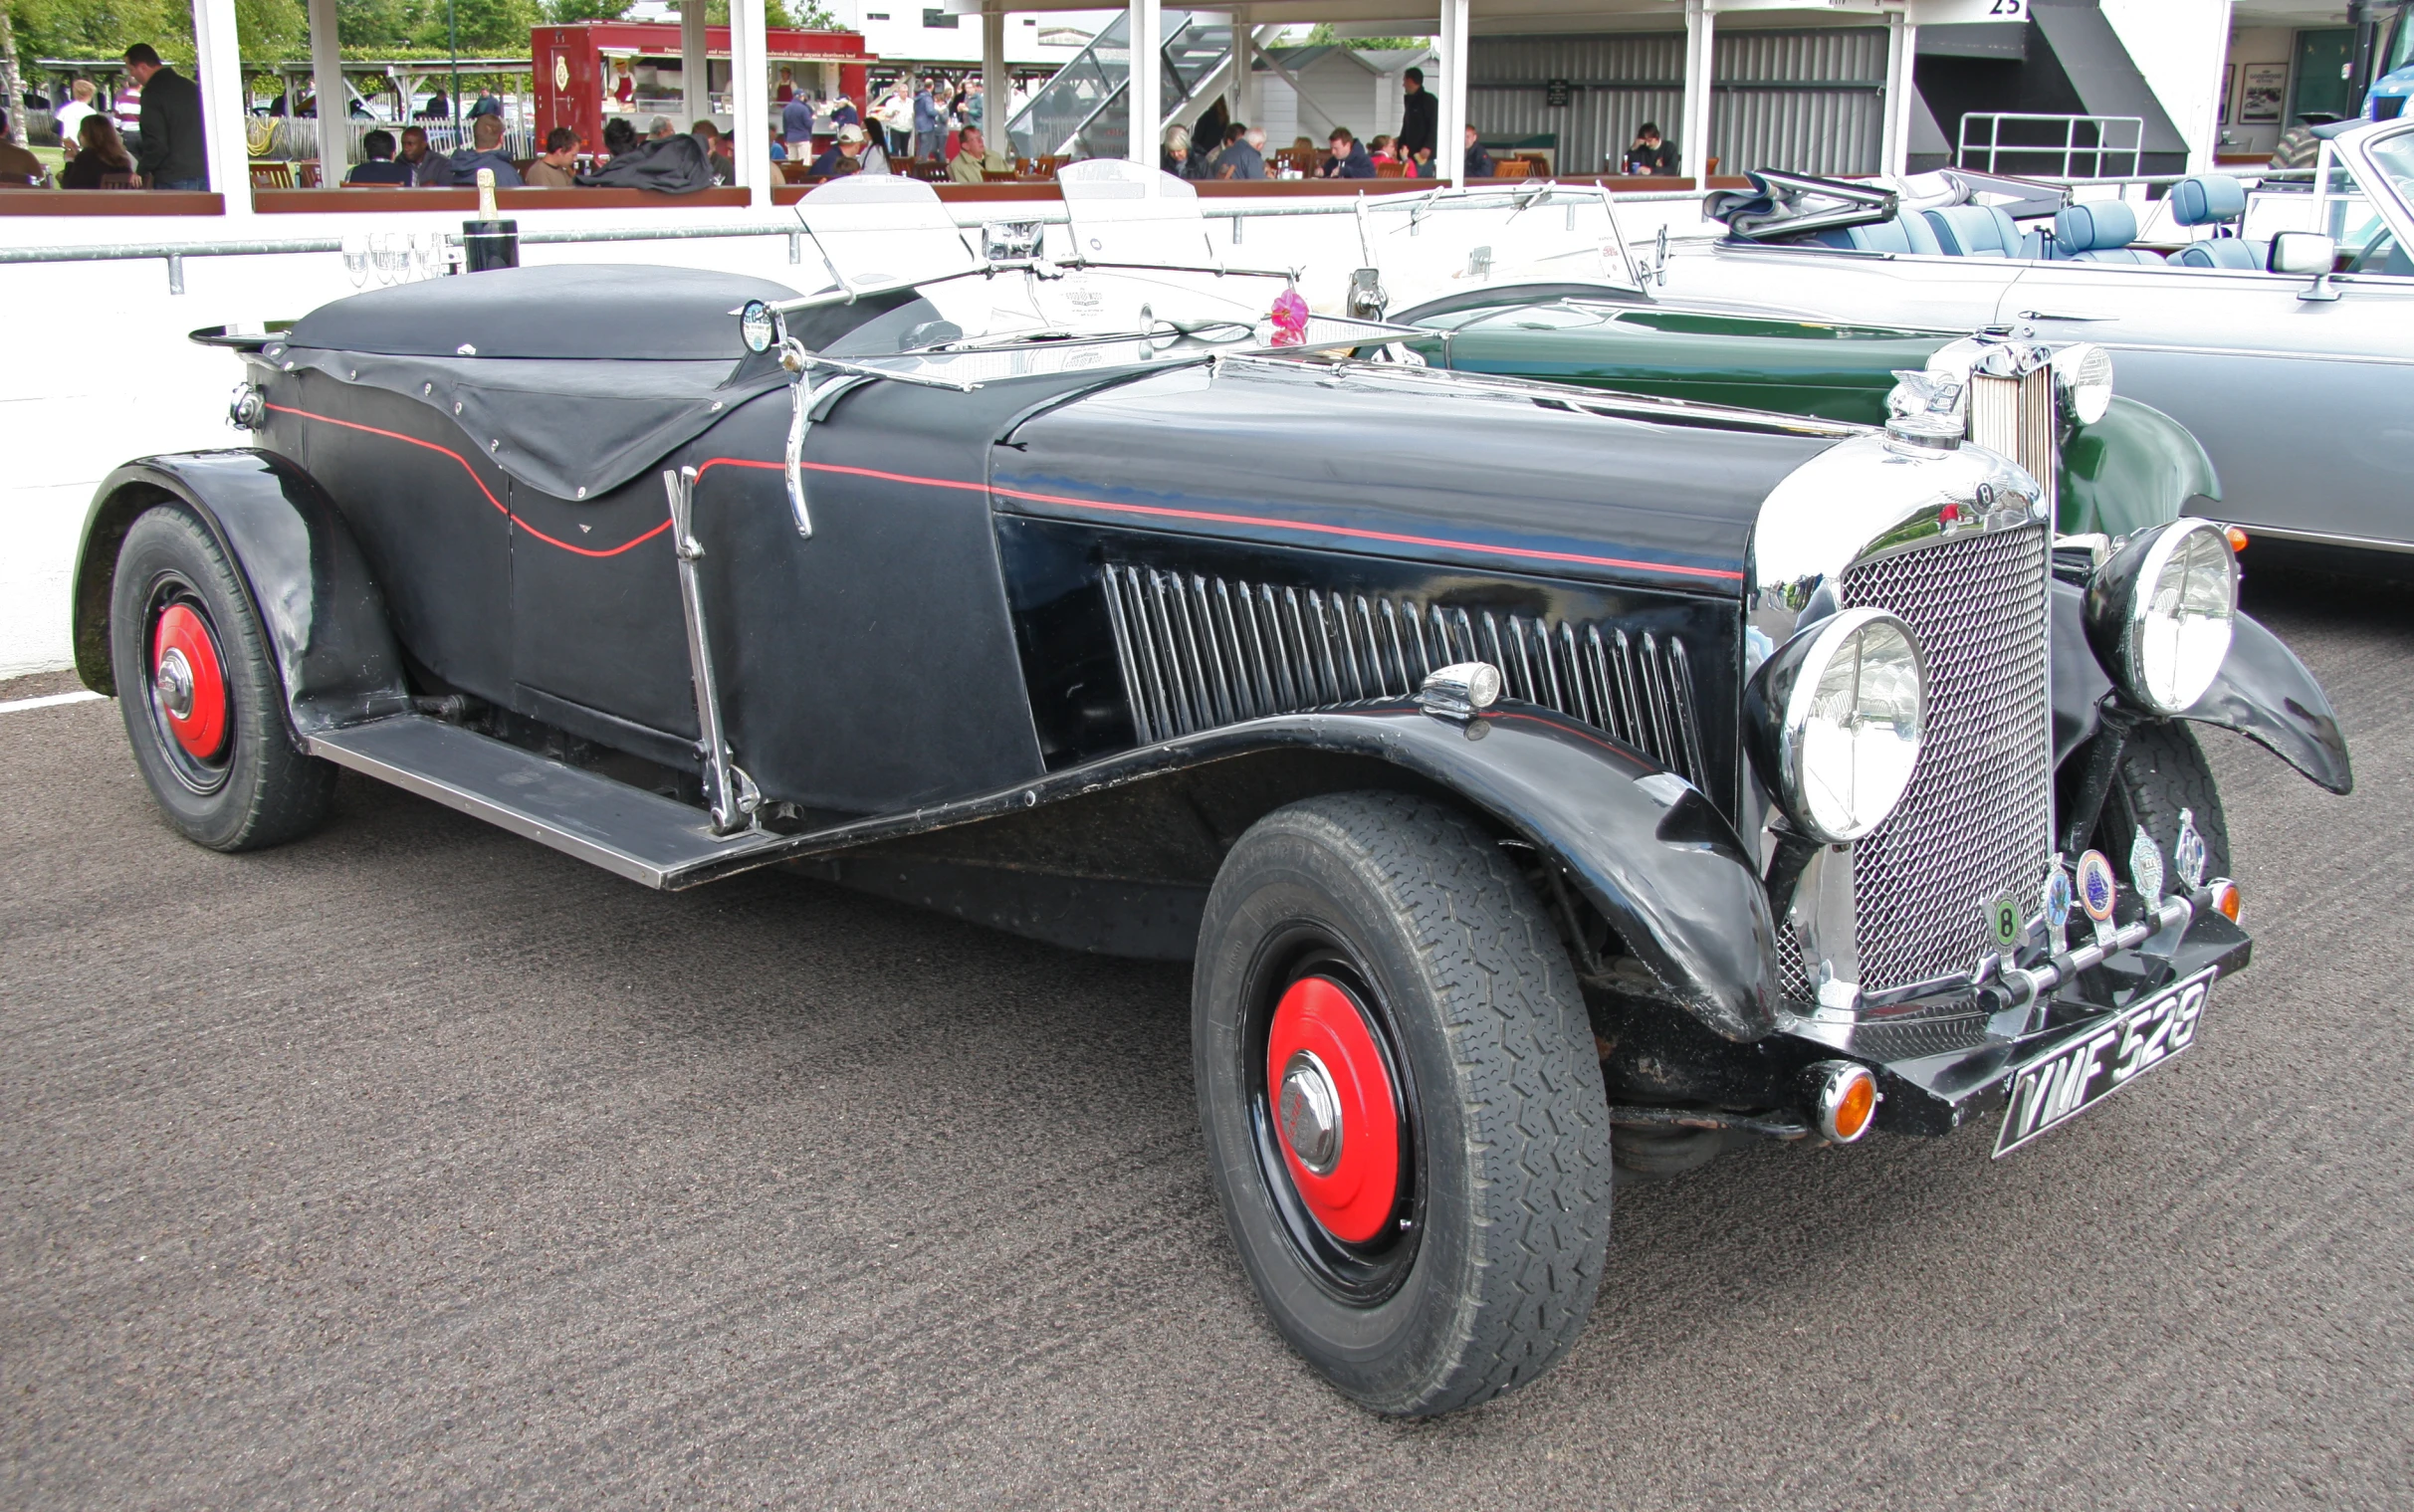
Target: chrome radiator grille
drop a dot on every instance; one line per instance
(2015, 416)
(1197, 652)
(1977, 821)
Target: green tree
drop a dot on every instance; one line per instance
(570, 12)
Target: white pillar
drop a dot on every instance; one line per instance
(695, 71)
(1145, 24)
(1894, 141)
(1450, 60)
(1244, 69)
(996, 90)
(218, 70)
(750, 99)
(1699, 38)
(326, 82)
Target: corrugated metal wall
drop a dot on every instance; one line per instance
(1624, 80)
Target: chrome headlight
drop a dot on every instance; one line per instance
(1835, 719)
(2082, 372)
(2161, 612)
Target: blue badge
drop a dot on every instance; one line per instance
(2096, 888)
(2057, 898)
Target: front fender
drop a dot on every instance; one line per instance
(309, 583)
(2266, 693)
(1661, 864)
(2135, 468)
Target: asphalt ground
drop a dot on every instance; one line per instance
(415, 1165)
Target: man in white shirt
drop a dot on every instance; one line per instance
(69, 117)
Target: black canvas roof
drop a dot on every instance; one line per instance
(596, 311)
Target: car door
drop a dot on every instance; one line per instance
(2306, 406)
(1862, 287)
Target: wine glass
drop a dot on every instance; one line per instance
(356, 258)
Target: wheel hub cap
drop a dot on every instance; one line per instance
(1311, 1113)
(188, 682)
(1336, 1111)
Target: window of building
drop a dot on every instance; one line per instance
(942, 21)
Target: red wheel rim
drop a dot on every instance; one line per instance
(1336, 1111)
(188, 682)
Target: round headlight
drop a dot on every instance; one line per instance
(1835, 718)
(757, 326)
(2082, 372)
(2161, 612)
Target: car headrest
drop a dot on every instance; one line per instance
(1973, 231)
(2098, 225)
(2208, 199)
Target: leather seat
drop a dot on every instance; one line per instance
(2099, 231)
(1905, 233)
(1977, 230)
(2214, 199)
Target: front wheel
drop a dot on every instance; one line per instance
(2164, 775)
(1402, 1101)
(204, 707)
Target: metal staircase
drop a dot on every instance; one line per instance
(1081, 114)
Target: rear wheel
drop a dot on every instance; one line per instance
(1402, 1102)
(204, 708)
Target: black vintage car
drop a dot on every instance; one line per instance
(1540, 778)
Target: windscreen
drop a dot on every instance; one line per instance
(1430, 246)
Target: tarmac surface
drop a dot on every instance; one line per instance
(417, 1164)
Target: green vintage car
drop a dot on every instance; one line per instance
(1567, 305)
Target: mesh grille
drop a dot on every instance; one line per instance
(1978, 818)
(1197, 652)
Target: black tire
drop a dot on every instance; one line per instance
(2163, 773)
(1488, 1271)
(257, 789)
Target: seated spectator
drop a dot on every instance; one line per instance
(619, 135)
(975, 162)
(1243, 153)
(1378, 150)
(661, 129)
(487, 133)
(99, 151)
(672, 164)
(844, 156)
(779, 147)
(20, 170)
(1176, 158)
(426, 166)
(1349, 160)
(1649, 156)
(719, 151)
(557, 167)
(378, 166)
(1479, 161)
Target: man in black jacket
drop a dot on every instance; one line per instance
(1420, 117)
(170, 155)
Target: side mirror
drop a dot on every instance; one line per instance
(1367, 296)
(2303, 251)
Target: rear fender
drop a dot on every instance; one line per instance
(306, 579)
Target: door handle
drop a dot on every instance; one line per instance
(2063, 315)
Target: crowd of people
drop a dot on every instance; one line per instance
(929, 119)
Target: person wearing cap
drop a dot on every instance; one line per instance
(844, 156)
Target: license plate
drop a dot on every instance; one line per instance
(2059, 1086)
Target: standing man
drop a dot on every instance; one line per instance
(1420, 117)
(171, 155)
(929, 127)
(797, 126)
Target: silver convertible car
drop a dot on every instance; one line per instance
(2279, 329)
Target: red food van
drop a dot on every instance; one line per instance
(593, 71)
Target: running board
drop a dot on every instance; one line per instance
(626, 830)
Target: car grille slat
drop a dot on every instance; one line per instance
(1977, 820)
(1196, 652)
